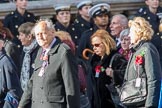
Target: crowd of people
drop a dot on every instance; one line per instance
(84, 63)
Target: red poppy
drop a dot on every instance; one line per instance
(98, 68)
(139, 59)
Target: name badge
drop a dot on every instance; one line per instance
(138, 82)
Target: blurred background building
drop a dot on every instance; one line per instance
(44, 8)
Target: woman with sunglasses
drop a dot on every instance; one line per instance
(104, 48)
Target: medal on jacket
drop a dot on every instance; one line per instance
(42, 70)
(44, 55)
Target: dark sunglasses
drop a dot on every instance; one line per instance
(96, 45)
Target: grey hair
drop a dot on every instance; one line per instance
(49, 23)
(123, 33)
(123, 20)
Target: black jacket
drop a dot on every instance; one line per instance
(153, 19)
(81, 25)
(103, 97)
(13, 20)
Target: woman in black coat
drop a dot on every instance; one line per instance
(104, 48)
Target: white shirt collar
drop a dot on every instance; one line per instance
(50, 46)
(118, 41)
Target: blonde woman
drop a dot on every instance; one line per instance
(143, 63)
(104, 48)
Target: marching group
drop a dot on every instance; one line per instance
(96, 61)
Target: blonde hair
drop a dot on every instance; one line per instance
(62, 35)
(107, 40)
(65, 37)
(142, 28)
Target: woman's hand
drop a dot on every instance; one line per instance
(109, 71)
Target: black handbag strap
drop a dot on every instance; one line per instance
(112, 59)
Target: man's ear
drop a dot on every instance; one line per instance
(79, 11)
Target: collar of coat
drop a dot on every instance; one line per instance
(134, 48)
(53, 50)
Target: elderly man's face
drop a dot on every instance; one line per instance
(44, 35)
(116, 27)
(102, 20)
